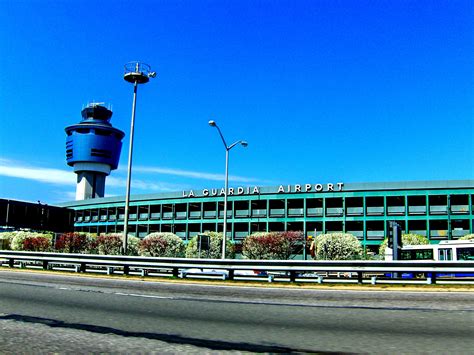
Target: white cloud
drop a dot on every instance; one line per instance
(69, 195)
(46, 175)
(192, 174)
(68, 178)
(61, 196)
(113, 181)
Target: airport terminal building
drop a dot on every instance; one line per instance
(439, 210)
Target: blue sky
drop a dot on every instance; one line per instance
(323, 91)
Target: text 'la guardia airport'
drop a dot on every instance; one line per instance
(255, 190)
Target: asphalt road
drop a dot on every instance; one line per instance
(70, 314)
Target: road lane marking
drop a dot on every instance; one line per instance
(141, 295)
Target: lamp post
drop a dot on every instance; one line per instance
(226, 184)
(135, 73)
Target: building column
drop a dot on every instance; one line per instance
(343, 214)
(471, 212)
(448, 210)
(364, 228)
(405, 201)
(324, 215)
(428, 229)
(216, 208)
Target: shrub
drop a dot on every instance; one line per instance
(75, 243)
(215, 250)
(109, 244)
(132, 245)
(19, 238)
(91, 246)
(112, 244)
(407, 239)
(6, 240)
(337, 246)
(166, 245)
(25, 240)
(270, 245)
(467, 237)
(37, 243)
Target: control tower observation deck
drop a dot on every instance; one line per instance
(93, 148)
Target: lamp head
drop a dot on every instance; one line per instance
(212, 123)
(244, 143)
(152, 74)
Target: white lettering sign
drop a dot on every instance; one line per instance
(255, 190)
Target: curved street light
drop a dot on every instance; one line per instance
(227, 149)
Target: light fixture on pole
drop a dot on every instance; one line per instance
(135, 73)
(227, 149)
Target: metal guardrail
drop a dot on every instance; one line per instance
(292, 268)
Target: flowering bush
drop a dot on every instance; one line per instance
(270, 245)
(167, 245)
(75, 243)
(6, 240)
(24, 240)
(20, 237)
(132, 245)
(215, 248)
(337, 246)
(40, 243)
(407, 239)
(467, 237)
(110, 244)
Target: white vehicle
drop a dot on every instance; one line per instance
(446, 250)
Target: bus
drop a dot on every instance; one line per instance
(446, 250)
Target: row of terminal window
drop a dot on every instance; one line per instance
(292, 212)
(246, 209)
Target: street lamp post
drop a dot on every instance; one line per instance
(135, 73)
(226, 184)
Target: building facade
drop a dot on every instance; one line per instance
(36, 216)
(439, 210)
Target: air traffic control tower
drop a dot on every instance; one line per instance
(93, 148)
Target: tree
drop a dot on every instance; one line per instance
(337, 246)
(215, 248)
(270, 245)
